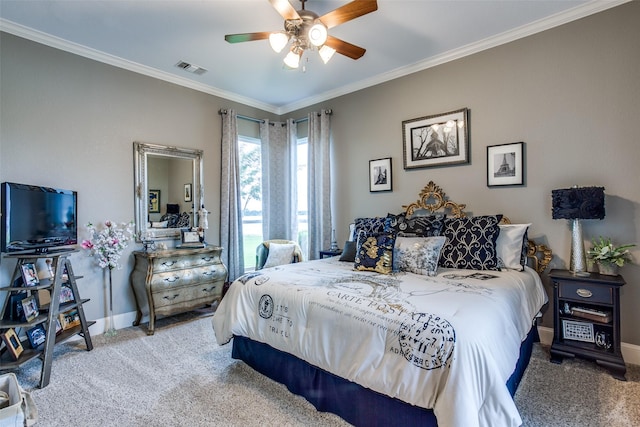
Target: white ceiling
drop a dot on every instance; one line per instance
(401, 37)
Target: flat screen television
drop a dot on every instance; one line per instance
(36, 218)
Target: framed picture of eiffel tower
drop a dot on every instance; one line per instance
(505, 164)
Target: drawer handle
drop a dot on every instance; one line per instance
(207, 258)
(171, 279)
(168, 263)
(209, 289)
(584, 293)
(171, 298)
(209, 272)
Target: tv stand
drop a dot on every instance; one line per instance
(48, 313)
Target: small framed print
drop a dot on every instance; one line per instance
(36, 335)
(29, 274)
(30, 308)
(11, 340)
(154, 201)
(190, 237)
(505, 164)
(187, 192)
(380, 175)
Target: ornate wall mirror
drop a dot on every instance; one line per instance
(167, 190)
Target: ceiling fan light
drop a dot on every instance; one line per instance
(278, 41)
(326, 53)
(317, 34)
(292, 60)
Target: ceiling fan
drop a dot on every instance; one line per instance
(307, 31)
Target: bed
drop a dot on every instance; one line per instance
(391, 338)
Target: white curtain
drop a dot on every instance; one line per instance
(319, 184)
(230, 201)
(279, 190)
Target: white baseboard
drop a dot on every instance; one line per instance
(630, 352)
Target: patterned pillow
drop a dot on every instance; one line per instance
(471, 243)
(279, 254)
(418, 255)
(509, 246)
(424, 226)
(376, 225)
(375, 253)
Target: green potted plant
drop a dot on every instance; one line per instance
(607, 256)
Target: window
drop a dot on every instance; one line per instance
(251, 197)
(301, 185)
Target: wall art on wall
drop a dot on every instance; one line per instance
(438, 140)
(187, 193)
(380, 175)
(154, 201)
(505, 165)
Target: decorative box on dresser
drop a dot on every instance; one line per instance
(175, 281)
(587, 319)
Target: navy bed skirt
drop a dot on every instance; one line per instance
(357, 405)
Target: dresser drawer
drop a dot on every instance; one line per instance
(585, 292)
(174, 263)
(190, 296)
(178, 278)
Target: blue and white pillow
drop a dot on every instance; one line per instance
(375, 253)
(425, 226)
(471, 243)
(375, 225)
(418, 255)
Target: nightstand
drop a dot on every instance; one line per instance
(330, 253)
(586, 319)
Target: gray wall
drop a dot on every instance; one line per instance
(571, 94)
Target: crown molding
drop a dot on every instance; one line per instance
(547, 23)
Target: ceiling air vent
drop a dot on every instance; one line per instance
(194, 69)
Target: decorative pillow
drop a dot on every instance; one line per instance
(160, 224)
(279, 254)
(349, 252)
(352, 232)
(509, 245)
(375, 253)
(171, 219)
(376, 225)
(183, 220)
(424, 226)
(418, 255)
(471, 243)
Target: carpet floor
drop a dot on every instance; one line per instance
(181, 377)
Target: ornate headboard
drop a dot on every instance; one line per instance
(433, 199)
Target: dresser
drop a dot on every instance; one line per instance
(177, 280)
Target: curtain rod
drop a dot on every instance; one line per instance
(252, 119)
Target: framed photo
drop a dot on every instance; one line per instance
(380, 175)
(30, 308)
(16, 313)
(187, 192)
(505, 165)
(29, 274)
(11, 340)
(190, 237)
(439, 140)
(69, 319)
(36, 335)
(154, 201)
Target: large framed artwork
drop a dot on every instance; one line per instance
(438, 140)
(505, 164)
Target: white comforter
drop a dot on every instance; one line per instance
(448, 342)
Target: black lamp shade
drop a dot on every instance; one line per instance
(578, 203)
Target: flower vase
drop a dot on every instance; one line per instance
(608, 268)
(111, 331)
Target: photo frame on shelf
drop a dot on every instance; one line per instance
(188, 194)
(29, 274)
(437, 140)
(30, 308)
(11, 340)
(16, 313)
(154, 201)
(505, 164)
(380, 175)
(69, 319)
(36, 336)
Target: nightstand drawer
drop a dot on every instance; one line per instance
(586, 292)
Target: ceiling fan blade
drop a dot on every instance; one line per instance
(285, 9)
(348, 12)
(246, 37)
(345, 48)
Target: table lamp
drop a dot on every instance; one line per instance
(575, 204)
